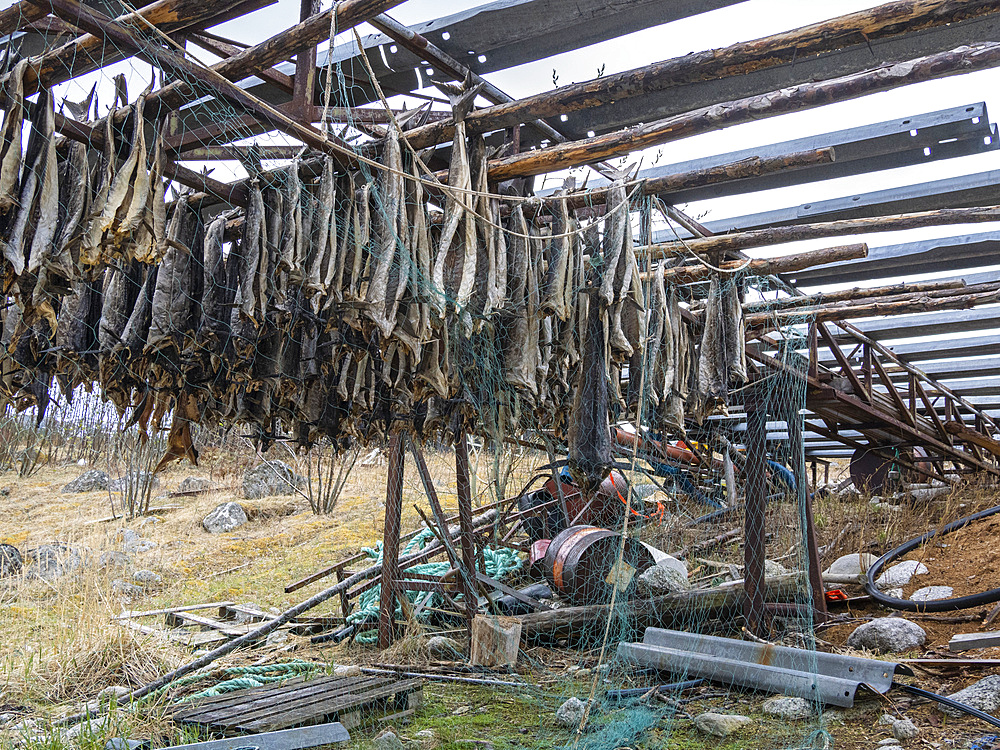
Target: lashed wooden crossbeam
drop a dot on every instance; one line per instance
(99, 24)
(816, 230)
(855, 293)
(883, 21)
(88, 52)
(966, 59)
(19, 15)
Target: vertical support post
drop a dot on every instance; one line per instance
(304, 85)
(866, 368)
(753, 526)
(796, 448)
(813, 350)
(390, 543)
(465, 523)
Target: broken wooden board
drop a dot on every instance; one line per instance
(185, 627)
(966, 641)
(300, 738)
(298, 702)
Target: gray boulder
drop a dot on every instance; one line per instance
(663, 579)
(271, 478)
(444, 648)
(851, 565)
(904, 729)
(930, 593)
(195, 484)
(147, 578)
(900, 574)
(225, 517)
(720, 725)
(790, 709)
(113, 560)
(984, 695)
(126, 590)
(571, 713)
(90, 481)
(11, 562)
(888, 635)
(774, 569)
(388, 740)
(54, 560)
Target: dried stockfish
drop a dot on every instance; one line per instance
(391, 269)
(90, 250)
(10, 148)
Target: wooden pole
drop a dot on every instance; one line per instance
(390, 544)
(756, 504)
(919, 303)
(966, 59)
(464, 486)
(849, 295)
(19, 15)
(763, 266)
(818, 230)
(881, 22)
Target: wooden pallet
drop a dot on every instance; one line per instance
(299, 702)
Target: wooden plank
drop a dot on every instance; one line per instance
(184, 638)
(271, 699)
(182, 618)
(167, 610)
(292, 739)
(966, 641)
(328, 708)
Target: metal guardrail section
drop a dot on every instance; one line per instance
(831, 678)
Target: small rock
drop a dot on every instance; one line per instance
(886, 720)
(571, 713)
(275, 637)
(461, 710)
(242, 618)
(851, 565)
(425, 735)
(139, 546)
(668, 561)
(663, 579)
(900, 574)
(888, 635)
(774, 569)
(887, 741)
(150, 521)
(929, 593)
(896, 593)
(271, 478)
(195, 484)
(443, 648)
(94, 725)
(54, 560)
(90, 481)
(126, 590)
(113, 559)
(388, 740)
(984, 695)
(720, 725)
(904, 729)
(138, 480)
(788, 708)
(347, 670)
(226, 517)
(146, 578)
(11, 561)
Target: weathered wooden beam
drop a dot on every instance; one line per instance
(883, 21)
(966, 59)
(225, 49)
(968, 435)
(917, 304)
(89, 52)
(765, 266)
(99, 24)
(796, 232)
(19, 15)
(848, 295)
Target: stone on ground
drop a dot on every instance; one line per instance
(137, 480)
(774, 569)
(851, 565)
(11, 562)
(443, 648)
(54, 560)
(112, 559)
(663, 579)
(388, 740)
(930, 593)
(90, 481)
(347, 670)
(271, 478)
(720, 725)
(888, 635)
(904, 729)
(146, 578)
(126, 590)
(195, 484)
(571, 712)
(900, 574)
(788, 708)
(984, 695)
(225, 517)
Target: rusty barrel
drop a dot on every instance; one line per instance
(581, 564)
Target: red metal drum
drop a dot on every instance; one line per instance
(581, 563)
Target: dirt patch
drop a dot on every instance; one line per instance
(966, 559)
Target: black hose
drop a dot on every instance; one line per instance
(937, 605)
(950, 702)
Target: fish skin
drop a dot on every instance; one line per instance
(613, 243)
(74, 184)
(134, 210)
(392, 261)
(10, 150)
(521, 316)
(712, 376)
(589, 433)
(735, 334)
(47, 216)
(557, 275)
(90, 251)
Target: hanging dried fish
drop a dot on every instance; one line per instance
(323, 248)
(392, 264)
(713, 376)
(589, 435)
(90, 250)
(126, 198)
(58, 266)
(736, 356)
(74, 200)
(521, 318)
(558, 273)
(10, 149)
(178, 284)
